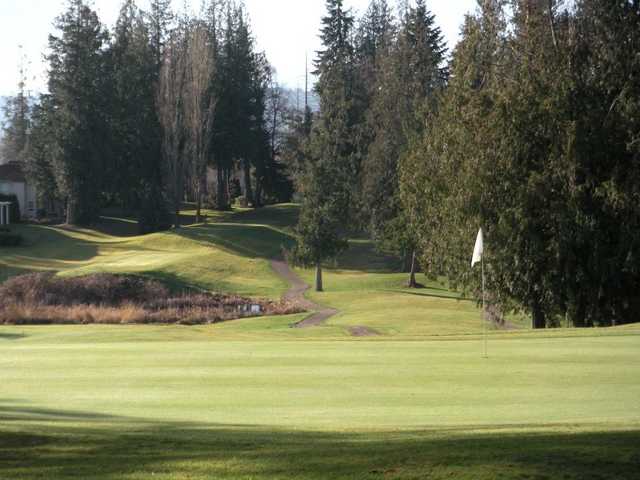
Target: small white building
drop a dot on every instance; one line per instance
(13, 182)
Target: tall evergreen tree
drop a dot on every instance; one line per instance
(241, 138)
(41, 149)
(17, 113)
(159, 19)
(329, 174)
(601, 241)
(135, 169)
(233, 83)
(534, 140)
(76, 84)
(411, 73)
(440, 171)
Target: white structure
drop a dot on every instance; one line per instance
(13, 182)
(5, 213)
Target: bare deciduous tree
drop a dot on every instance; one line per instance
(170, 103)
(200, 104)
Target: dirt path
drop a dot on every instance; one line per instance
(296, 294)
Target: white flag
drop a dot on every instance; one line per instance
(478, 249)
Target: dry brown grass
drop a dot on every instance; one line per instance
(42, 299)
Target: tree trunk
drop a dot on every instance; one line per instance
(176, 213)
(70, 211)
(580, 314)
(248, 191)
(177, 201)
(552, 25)
(257, 200)
(76, 210)
(176, 219)
(319, 277)
(221, 196)
(412, 274)
(201, 186)
(538, 317)
(227, 186)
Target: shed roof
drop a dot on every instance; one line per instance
(12, 172)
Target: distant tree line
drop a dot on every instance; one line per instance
(530, 130)
(134, 118)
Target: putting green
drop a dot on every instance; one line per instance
(205, 403)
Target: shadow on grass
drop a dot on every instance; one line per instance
(12, 413)
(12, 336)
(45, 249)
(119, 226)
(176, 284)
(252, 241)
(50, 444)
(43, 243)
(284, 216)
(428, 292)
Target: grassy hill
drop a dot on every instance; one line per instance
(257, 399)
(230, 255)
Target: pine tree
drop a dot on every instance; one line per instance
(135, 169)
(411, 73)
(41, 146)
(233, 83)
(601, 239)
(17, 112)
(160, 19)
(76, 84)
(328, 176)
(375, 38)
(438, 176)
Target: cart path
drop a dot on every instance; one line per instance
(296, 294)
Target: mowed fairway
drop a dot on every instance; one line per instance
(129, 402)
(257, 399)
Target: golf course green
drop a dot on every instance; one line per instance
(258, 399)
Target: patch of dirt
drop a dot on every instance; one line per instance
(317, 318)
(360, 331)
(295, 294)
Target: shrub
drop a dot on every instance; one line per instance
(42, 298)
(8, 239)
(153, 215)
(100, 289)
(242, 202)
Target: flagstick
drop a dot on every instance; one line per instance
(484, 320)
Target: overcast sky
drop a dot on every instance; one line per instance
(284, 29)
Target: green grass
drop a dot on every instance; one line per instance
(126, 402)
(257, 399)
(227, 257)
